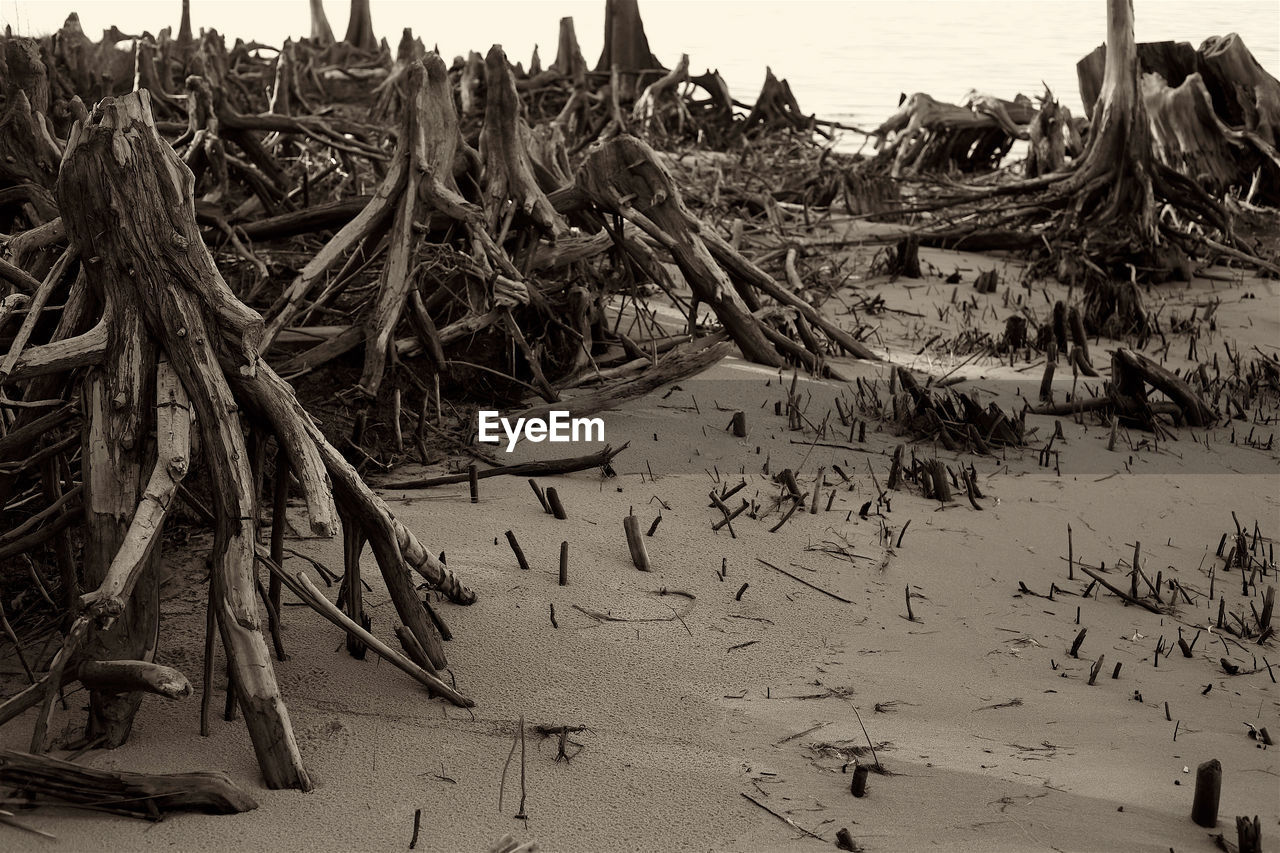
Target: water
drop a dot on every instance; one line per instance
(846, 60)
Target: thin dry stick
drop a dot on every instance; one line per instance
(1091, 573)
(520, 813)
(502, 784)
(803, 581)
(879, 769)
(788, 821)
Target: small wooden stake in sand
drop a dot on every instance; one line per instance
(1075, 645)
(417, 825)
(553, 499)
(1097, 667)
(739, 424)
(473, 477)
(1204, 808)
(542, 496)
(635, 542)
(859, 784)
(515, 546)
(1249, 834)
(1046, 382)
(1071, 557)
(564, 564)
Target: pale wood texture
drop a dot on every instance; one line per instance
(154, 251)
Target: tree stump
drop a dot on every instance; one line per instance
(510, 185)
(569, 61)
(127, 203)
(926, 135)
(321, 32)
(624, 177)
(626, 47)
(1048, 134)
(360, 27)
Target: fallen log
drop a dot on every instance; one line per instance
(1132, 371)
(685, 360)
(50, 781)
(539, 468)
(926, 135)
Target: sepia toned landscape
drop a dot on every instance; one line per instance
(921, 490)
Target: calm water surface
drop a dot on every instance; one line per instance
(846, 59)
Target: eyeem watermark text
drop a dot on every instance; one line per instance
(557, 427)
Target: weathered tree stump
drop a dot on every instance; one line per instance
(775, 109)
(926, 135)
(510, 185)
(128, 209)
(321, 32)
(360, 33)
(1048, 134)
(624, 177)
(626, 48)
(569, 62)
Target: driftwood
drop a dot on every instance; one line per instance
(1122, 204)
(50, 781)
(626, 48)
(501, 261)
(926, 135)
(164, 292)
(686, 360)
(1132, 371)
(625, 178)
(540, 468)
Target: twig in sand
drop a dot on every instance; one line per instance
(810, 730)
(520, 813)
(788, 821)
(803, 581)
(787, 515)
(502, 783)
(606, 617)
(7, 818)
(681, 592)
(417, 825)
(544, 468)
(1129, 598)
(879, 767)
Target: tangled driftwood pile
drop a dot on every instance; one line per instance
(1178, 144)
(226, 221)
(141, 231)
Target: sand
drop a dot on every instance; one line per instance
(989, 734)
